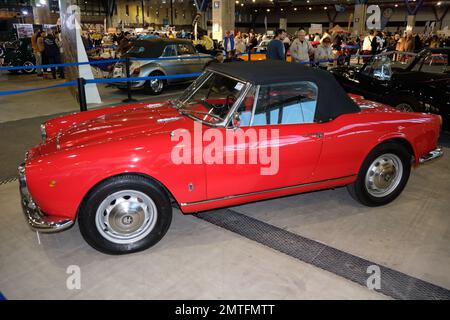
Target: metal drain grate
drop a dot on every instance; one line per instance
(393, 283)
(8, 180)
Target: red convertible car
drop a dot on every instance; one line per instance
(242, 132)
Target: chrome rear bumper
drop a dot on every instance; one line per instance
(436, 153)
(33, 214)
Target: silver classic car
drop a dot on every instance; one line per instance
(185, 60)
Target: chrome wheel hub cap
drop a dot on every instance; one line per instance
(28, 64)
(156, 85)
(126, 216)
(384, 175)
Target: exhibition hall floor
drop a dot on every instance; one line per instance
(210, 256)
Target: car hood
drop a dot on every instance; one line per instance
(345, 71)
(142, 120)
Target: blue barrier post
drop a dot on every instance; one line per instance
(127, 70)
(82, 94)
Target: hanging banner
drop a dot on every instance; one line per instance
(412, 10)
(385, 17)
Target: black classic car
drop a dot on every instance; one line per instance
(19, 53)
(419, 83)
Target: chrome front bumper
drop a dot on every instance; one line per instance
(34, 216)
(436, 153)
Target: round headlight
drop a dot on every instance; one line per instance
(43, 132)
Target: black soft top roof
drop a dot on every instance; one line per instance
(332, 100)
(155, 46)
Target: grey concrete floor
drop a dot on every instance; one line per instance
(197, 260)
(59, 100)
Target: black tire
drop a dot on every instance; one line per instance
(148, 89)
(28, 71)
(359, 190)
(407, 104)
(87, 216)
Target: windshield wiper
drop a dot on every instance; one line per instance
(190, 112)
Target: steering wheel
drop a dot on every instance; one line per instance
(227, 101)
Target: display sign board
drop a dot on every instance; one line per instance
(24, 30)
(315, 28)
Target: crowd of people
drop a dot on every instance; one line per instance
(319, 49)
(309, 49)
(47, 49)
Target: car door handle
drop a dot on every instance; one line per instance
(317, 135)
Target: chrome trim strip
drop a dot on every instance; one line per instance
(236, 104)
(33, 214)
(436, 153)
(168, 119)
(254, 105)
(183, 204)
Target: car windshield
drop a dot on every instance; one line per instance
(379, 67)
(425, 61)
(211, 97)
(432, 63)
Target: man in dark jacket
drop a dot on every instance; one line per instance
(377, 43)
(275, 49)
(52, 53)
(125, 43)
(232, 57)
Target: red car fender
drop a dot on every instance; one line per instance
(60, 181)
